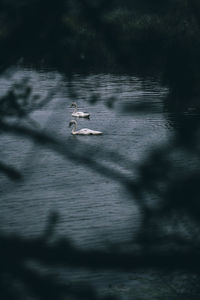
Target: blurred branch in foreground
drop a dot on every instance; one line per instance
(167, 193)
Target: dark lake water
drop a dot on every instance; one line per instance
(94, 210)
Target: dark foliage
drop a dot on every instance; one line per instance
(81, 35)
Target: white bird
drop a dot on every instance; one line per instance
(84, 131)
(79, 114)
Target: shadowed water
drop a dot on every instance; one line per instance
(94, 210)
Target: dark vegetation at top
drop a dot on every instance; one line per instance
(141, 36)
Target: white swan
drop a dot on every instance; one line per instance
(84, 131)
(79, 114)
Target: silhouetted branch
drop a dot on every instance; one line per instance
(67, 151)
(63, 254)
(10, 171)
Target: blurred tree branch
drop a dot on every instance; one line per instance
(67, 150)
(36, 31)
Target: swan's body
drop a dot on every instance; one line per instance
(79, 114)
(84, 131)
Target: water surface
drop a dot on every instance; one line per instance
(94, 210)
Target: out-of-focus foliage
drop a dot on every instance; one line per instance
(147, 36)
(142, 36)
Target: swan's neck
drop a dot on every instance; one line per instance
(75, 109)
(74, 127)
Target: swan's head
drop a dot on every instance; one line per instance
(72, 122)
(74, 104)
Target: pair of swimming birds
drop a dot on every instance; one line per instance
(73, 123)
